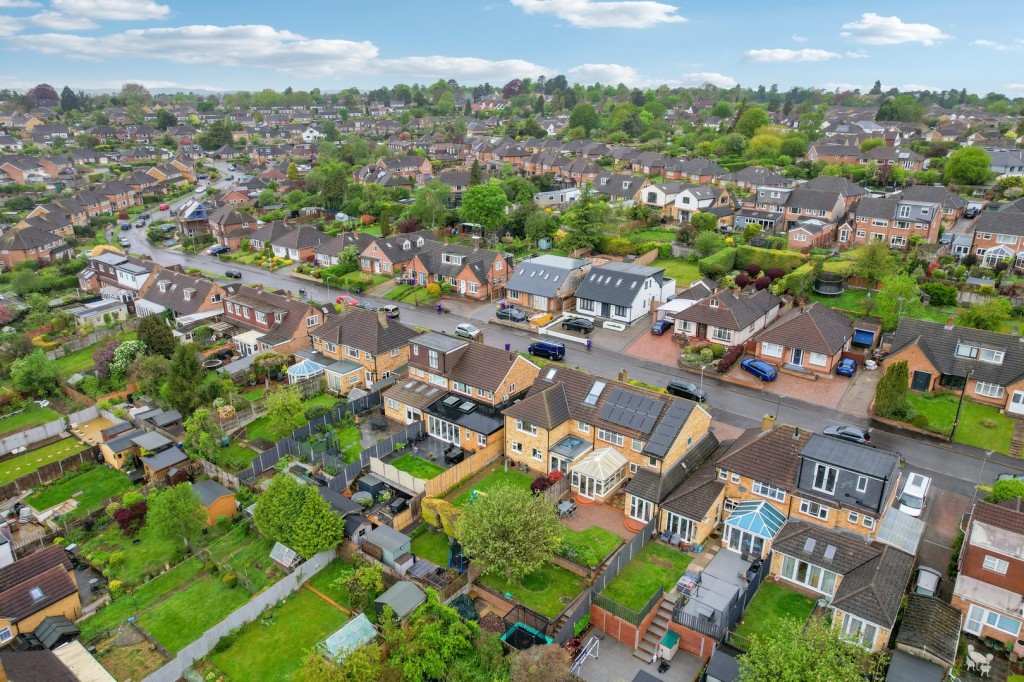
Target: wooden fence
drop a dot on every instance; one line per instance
(49, 472)
(80, 342)
(439, 485)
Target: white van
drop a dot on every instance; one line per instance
(914, 495)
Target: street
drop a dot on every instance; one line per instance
(952, 466)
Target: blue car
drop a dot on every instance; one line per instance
(846, 367)
(660, 327)
(760, 369)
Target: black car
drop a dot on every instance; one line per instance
(233, 274)
(511, 314)
(686, 389)
(854, 434)
(366, 306)
(578, 324)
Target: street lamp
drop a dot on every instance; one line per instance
(960, 405)
(702, 368)
(327, 282)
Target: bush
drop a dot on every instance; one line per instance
(540, 484)
(742, 280)
(706, 355)
(785, 260)
(733, 354)
(719, 264)
(434, 290)
(718, 351)
(131, 518)
(112, 508)
(774, 273)
(762, 283)
(555, 477)
(753, 270)
(940, 294)
(316, 411)
(116, 589)
(131, 497)
(798, 281)
(920, 421)
(230, 580)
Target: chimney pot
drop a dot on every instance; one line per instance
(767, 422)
(949, 322)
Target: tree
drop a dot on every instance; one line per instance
(475, 176)
(548, 663)
(722, 109)
(968, 166)
(201, 436)
(900, 108)
(316, 527)
(538, 107)
(484, 204)
(134, 93)
(510, 531)
(988, 315)
(899, 296)
(360, 664)
(102, 357)
(157, 335)
(216, 135)
(177, 514)
(530, 128)
(293, 173)
(752, 119)
(44, 92)
(131, 517)
(817, 652)
(123, 358)
(764, 146)
(871, 143)
(876, 89)
(365, 582)
(708, 243)
(165, 119)
(35, 374)
(537, 226)
(69, 100)
(182, 387)
(703, 222)
(584, 116)
(285, 412)
(432, 642)
(277, 508)
(431, 202)
(1006, 489)
(891, 391)
(873, 262)
(512, 88)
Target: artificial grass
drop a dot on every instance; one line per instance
(21, 465)
(417, 467)
(31, 416)
(496, 478)
(276, 643)
(654, 566)
(771, 605)
(96, 485)
(941, 412)
(684, 272)
(431, 545)
(601, 541)
(547, 591)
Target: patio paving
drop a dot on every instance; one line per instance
(658, 348)
(600, 515)
(615, 663)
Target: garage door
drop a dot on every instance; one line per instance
(863, 337)
(921, 381)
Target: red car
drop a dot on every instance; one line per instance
(345, 299)
(164, 207)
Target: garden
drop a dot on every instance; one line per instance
(683, 271)
(30, 416)
(89, 486)
(260, 429)
(982, 426)
(772, 605)
(16, 467)
(547, 590)
(655, 566)
(497, 478)
(417, 467)
(588, 547)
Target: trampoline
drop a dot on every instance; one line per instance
(521, 636)
(828, 283)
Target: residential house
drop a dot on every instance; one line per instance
(893, 221)
(987, 366)
(810, 233)
(457, 182)
(66, 212)
(189, 302)
(264, 236)
(603, 432)
(475, 273)
(545, 283)
(120, 195)
(230, 226)
(116, 276)
(620, 187)
(193, 217)
(849, 191)
(266, 320)
(754, 176)
(458, 388)
(729, 317)
(31, 243)
(700, 171)
(417, 167)
(999, 237)
(661, 197)
(39, 586)
(1006, 162)
(561, 199)
(991, 572)
(803, 203)
(836, 154)
(391, 255)
(298, 243)
(623, 292)
(95, 203)
(887, 157)
(953, 205)
(928, 640)
(327, 253)
(377, 346)
(810, 339)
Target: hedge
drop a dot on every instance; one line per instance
(769, 258)
(719, 264)
(798, 281)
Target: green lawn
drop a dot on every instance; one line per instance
(325, 582)
(148, 557)
(656, 565)
(496, 478)
(417, 467)
(81, 360)
(601, 541)
(276, 643)
(655, 235)
(350, 443)
(684, 272)
(15, 467)
(547, 591)
(254, 394)
(257, 429)
(31, 416)
(89, 488)
(181, 618)
(234, 457)
(358, 279)
(770, 606)
(980, 425)
(431, 545)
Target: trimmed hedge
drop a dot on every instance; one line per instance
(769, 258)
(719, 264)
(798, 281)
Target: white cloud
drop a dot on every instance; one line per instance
(59, 21)
(614, 14)
(613, 74)
(1015, 45)
(117, 10)
(9, 26)
(843, 87)
(1015, 88)
(910, 87)
(798, 38)
(471, 69)
(249, 46)
(701, 77)
(772, 56)
(857, 54)
(18, 3)
(873, 29)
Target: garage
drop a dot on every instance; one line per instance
(921, 381)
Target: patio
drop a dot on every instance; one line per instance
(600, 515)
(613, 661)
(430, 450)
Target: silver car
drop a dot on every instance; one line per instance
(467, 331)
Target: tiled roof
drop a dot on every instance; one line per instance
(731, 311)
(483, 366)
(35, 666)
(815, 328)
(814, 199)
(18, 601)
(365, 330)
(1000, 222)
(617, 283)
(33, 564)
(172, 296)
(1000, 517)
(545, 407)
(851, 550)
(696, 495)
(930, 624)
(874, 590)
(771, 457)
(939, 345)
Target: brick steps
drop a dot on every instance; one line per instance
(648, 648)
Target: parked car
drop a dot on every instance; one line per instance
(854, 434)
(201, 189)
(686, 389)
(366, 306)
(660, 327)
(164, 207)
(124, 241)
(345, 299)
(946, 238)
(915, 494)
(1006, 476)
(847, 367)
(467, 331)
(760, 369)
(126, 226)
(547, 349)
(233, 274)
(972, 212)
(391, 309)
(217, 249)
(927, 581)
(578, 324)
(511, 314)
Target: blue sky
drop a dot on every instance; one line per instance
(332, 44)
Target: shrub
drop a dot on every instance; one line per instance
(762, 283)
(719, 264)
(774, 273)
(798, 281)
(940, 294)
(742, 280)
(753, 270)
(706, 355)
(555, 477)
(446, 288)
(131, 518)
(230, 580)
(434, 290)
(770, 258)
(131, 497)
(718, 351)
(729, 359)
(540, 484)
(920, 421)
(316, 411)
(116, 589)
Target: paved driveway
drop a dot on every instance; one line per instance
(861, 392)
(657, 348)
(827, 391)
(942, 523)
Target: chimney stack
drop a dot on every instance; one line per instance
(796, 432)
(767, 422)
(623, 376)
(382, 317)
(949, 323)
(736, 291)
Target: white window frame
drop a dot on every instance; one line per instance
(636, 445)
(853, 517)
(723, 475)
(5, 635)
(771, 350)
(392, 403)
(516, 446)
(829, 471)
(769, 491)
(720, 334)
(995, 564)
(989, 390)
(481, 439)
(536, 454)
(868, 522)
(583, 427)
(312, 320)
(857, 630)
(862, 484)
(616, 439)
(523, 427)
(817, 359)
(815, 509)
(640, 509)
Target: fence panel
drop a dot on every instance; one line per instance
(174, 669)
(29, 437)
(442, 483)
(417, 485)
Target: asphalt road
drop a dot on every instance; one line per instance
(952, 466)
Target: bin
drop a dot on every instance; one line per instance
(508, 347)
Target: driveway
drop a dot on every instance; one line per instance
(658, 348)
(942, 523)
(827, 391)
(861, 392)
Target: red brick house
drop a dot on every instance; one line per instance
(812, 338)
(230, 226)
(811, 233)
(31, 243)
(265, 320)
(893, 221)
(391, 255)
(474, 273)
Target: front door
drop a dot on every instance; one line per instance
(605, 310)
(922, 381)
(796, 356)
(1017, 402)
(462, 287)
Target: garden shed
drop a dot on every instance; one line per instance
(403, 597)
(284, 556)
(391, 543)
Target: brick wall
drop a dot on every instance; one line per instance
(614, 626)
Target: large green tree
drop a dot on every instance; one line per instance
(431, 203)
(484, 204)
(364, 583)
(815, 652)
(968, 166)
(182, 387)
(900, 108)
(154, 331)
(873, 262)
(35, 374)
(752, 119)
(585, 221)
(584, 116)
(989, 314)
(510, 531)
(285, 412)
(316, 527)
(177, 514)
(891, 391)
(277, 507)
(900, 296)
(201, 436)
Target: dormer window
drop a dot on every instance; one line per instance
(714, 303)
(419, 242)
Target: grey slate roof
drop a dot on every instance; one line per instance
(210, 491)
(830, 183)
(932, 625)
(818, 200)
(852, 456)
(543, 275)
(934, 195)
(906, 668)
(365, 330)
(873, 591)
(939, 346)
(1000, 222)
(617, 283)
(815, 328)
(164, 459)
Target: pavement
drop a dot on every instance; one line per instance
(613, 661)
